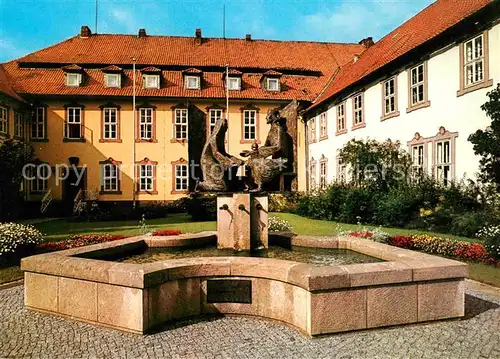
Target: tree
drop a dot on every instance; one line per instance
(487, 143)
(372, 162)
(14, 155)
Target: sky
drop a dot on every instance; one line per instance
(30, 25)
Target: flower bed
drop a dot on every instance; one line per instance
(167, 232)
(475, 252)
(16, 241)
(78, 241)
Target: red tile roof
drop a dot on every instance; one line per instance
(5, 86)
(308, 65)
(426, 25)
(72, 67)
(192, 71)
(272, 73)
(112, 68)
(151, 69)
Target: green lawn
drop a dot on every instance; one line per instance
(302, 225)
(61, 228)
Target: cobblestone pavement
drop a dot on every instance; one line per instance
(28, 334)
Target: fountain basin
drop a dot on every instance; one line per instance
(408, 287)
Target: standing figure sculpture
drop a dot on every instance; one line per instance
(215, 161)
(262, 168)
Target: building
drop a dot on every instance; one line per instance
(80, 92)
(422, 85)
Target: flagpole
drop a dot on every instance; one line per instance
(227, 100)
(135, 134)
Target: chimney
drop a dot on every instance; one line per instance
(368, 42)
(198, 37)
(85, 31)
(248, 37)
(142, 33)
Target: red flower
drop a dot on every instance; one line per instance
(167, 232)
(361, 234)
(402, 241)
(473, 252)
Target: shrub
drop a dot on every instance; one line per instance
(277, 224)
(167, 232)
(490, 235)
(16, 238)
(202, 207)
(284, 202)
(78, 240)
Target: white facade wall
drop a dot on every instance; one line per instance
(460, 114)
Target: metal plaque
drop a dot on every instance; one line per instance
(229, 291)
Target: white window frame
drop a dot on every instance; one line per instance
(116, 84)
(214, 114)
(197, 82)
(443, 161)
(110, 181)
(234, 83)
(358, 110)
(323, 173)
(417, 84)
(155, 84)
(312, 175)
(474, 61)
(418, 159)
(312, 130)
(110, 126)
(4, 120)
(73, 80)
(38, 123)
(249, 125)
(341, 170)
(323, 126)
(146, 177)
(39, 184)
(341, 121)
(181, 177)
(275, 81)
(181, 124)
(73, 120)
(390, 96)
(18, 124)
(146, 122)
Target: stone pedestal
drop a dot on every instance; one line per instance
(242, 220)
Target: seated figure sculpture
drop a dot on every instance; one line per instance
(215, 161)
(262, 168)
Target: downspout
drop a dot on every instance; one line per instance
(134, 125)
(306, 140)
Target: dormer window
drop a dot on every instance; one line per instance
(73, 80)
(273, 84)
(152, 81)
(151, 77)
(192, 79)
(73, 75)
(271, 81)
(234, 83)
(192, 82)
(112, 80)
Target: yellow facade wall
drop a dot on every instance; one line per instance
(55, 151)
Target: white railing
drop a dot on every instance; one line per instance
(81, 199)
(46, 201)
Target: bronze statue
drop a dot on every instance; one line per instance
(262, 168)
(215, 161)
(264, 163)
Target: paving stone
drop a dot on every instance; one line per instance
(29, 334)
